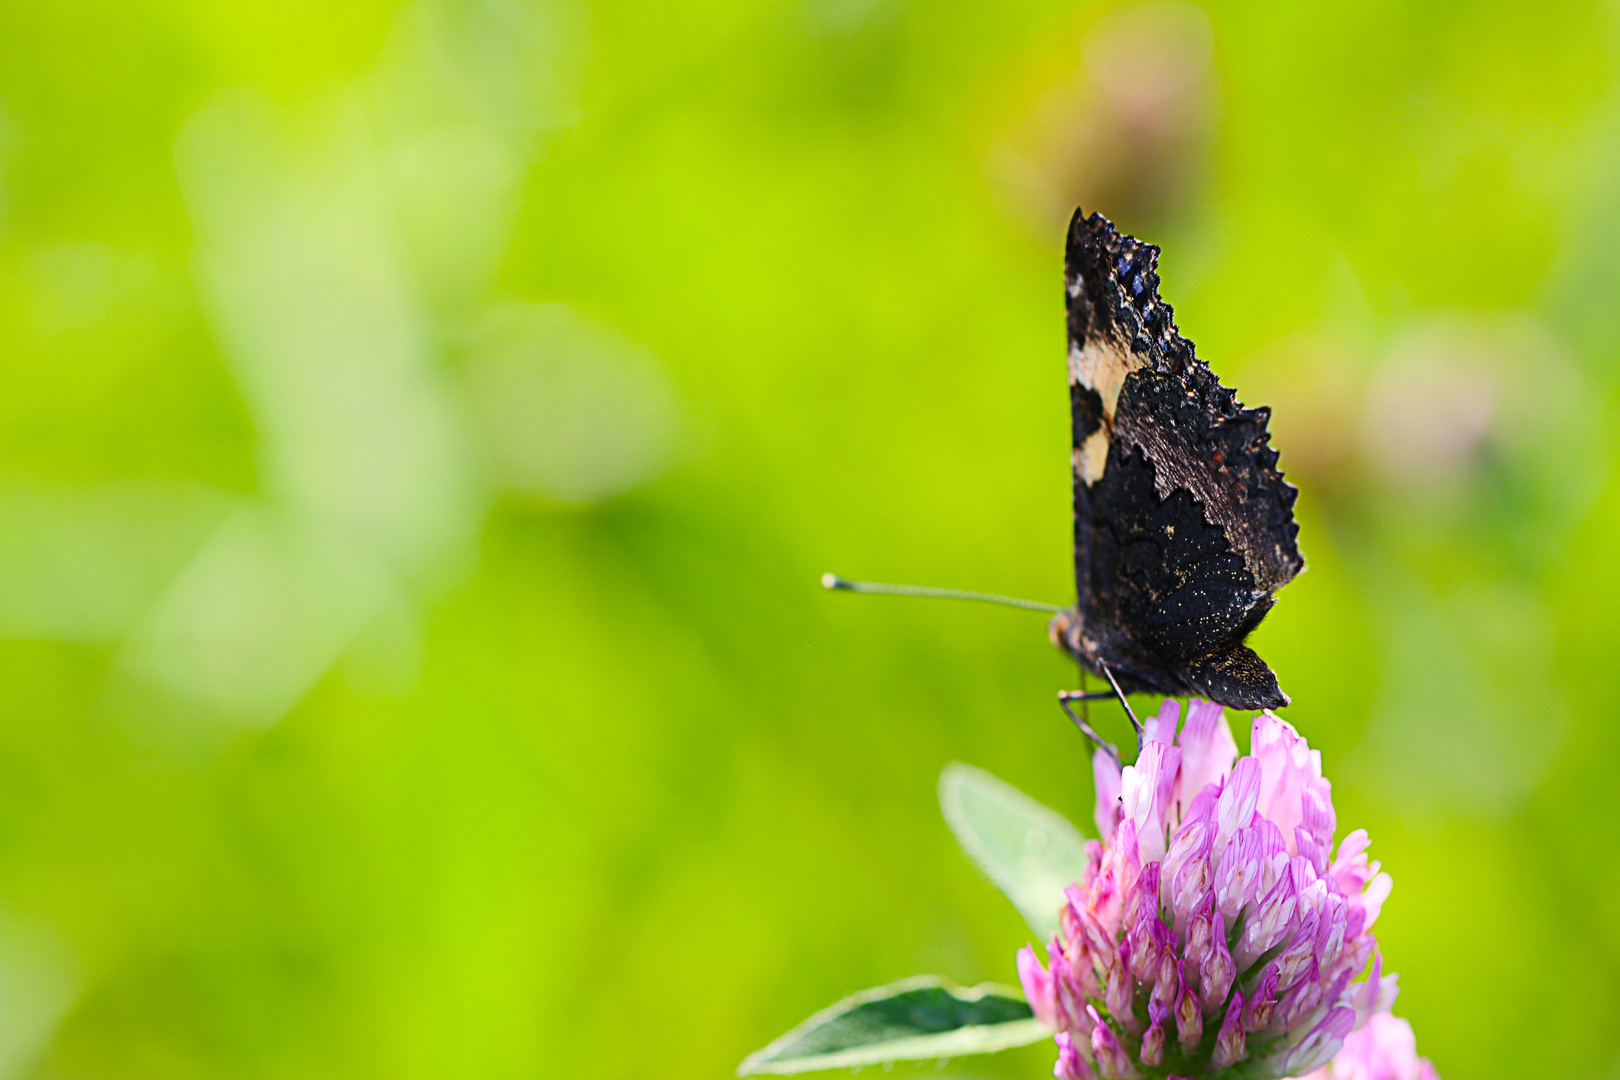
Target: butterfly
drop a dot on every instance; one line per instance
(1183, 526)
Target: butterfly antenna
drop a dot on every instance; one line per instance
(833, 581)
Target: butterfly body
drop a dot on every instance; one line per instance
(1183, 526)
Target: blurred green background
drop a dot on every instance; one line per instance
(424, 425)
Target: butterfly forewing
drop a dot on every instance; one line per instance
(1184, 527)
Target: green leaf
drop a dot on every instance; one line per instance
(911, 1020)
(1032, 853)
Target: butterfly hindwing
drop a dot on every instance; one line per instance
(1184, 528)
(1171, 576)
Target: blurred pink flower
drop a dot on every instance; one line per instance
(1384, 1049)
(1215, 925)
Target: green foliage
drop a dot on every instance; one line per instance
(912, 1020)
(1031, 853)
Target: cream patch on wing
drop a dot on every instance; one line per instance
(1092, 455)
(1100, 365)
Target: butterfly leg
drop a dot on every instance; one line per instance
(1066, 696)
(1136, 725)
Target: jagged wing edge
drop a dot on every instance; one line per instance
(1113, 292)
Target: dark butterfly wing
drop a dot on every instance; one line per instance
(1184, 527)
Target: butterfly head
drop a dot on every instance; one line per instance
(1065, 632)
